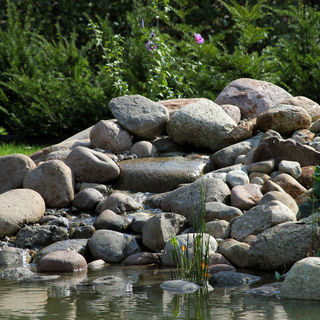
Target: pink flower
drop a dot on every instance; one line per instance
(198, 38)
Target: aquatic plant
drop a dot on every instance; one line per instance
(192, 264)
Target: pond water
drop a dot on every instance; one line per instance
(140, 297)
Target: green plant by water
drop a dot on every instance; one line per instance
(192, 264)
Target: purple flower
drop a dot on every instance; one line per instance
(149, 45)
(152, 35)
(142, 23)
(198, 38)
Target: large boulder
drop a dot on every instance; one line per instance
(310, 106)
(285, 149)
(189, 199)
(188, 242)
(109, 135)
(252, 96)
(203, 123)
(246, 196)
(54, 181)
(260, 218)
(236, 252)
(290, 185)
(160, 228)
(62, 261)
(303, 280)
(284, 119)
(282, 245)
(228, 155)
(13, 169)
(107, 219)
(158, 174)
(17, 207)
(36, 236)
(92, 166)
(112, 246)
(76, 245)
(140, 115)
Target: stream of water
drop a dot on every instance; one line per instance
(140, 297)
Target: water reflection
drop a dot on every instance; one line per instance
(75, 297)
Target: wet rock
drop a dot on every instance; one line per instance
(144, 149)
(53, 180)
(110, 135)
(187, 199)
(102, 188)
(96, 264)
(290, 185)
(158, 174)
(92, 166)
(233, 111)
(260, 218)
(291, 167)
(160, 228)
(229, 279)
(112, 246)
(140, 115)
(62, 261)
(218, 229)
(115, 286)
(286, 149)
(220, 267)
(16, 274)
(220, 211)
(76, 245)
(282, 245)
(284, 119)
(283, 197)
(165, 144)
(179, 286)
(40, 236)
(142, 258)
(237, 178)
(246, 196)
(58, 221)
(13, 257)
(13, 169)
(236, 252)
(310, 106)
(271, 289)
(119, 203)
(252, 96)
(111, 221)
(302, 280)
(87, 199)
(187, 240)
(228, 155)
(202, 123)
(17, 207)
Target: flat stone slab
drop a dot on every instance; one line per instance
(158, 174)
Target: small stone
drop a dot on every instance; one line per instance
(218, 229)
(290, 185)
(87, 199)
(237, 178)
(262, 166)
(236, 252)
(246, 196)
(144, 149)
(291, 167)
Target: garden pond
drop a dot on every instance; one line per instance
(139, 296)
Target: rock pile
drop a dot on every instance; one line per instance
(90, 194)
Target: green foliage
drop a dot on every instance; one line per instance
(62, 61)
(13, 148)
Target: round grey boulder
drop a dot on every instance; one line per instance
(111, 221)
(87, 199)
(111, 136)
(112, 246)
(53, 180)
(144, 149)
(13, 169)
(140, 115)
(92, 166)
